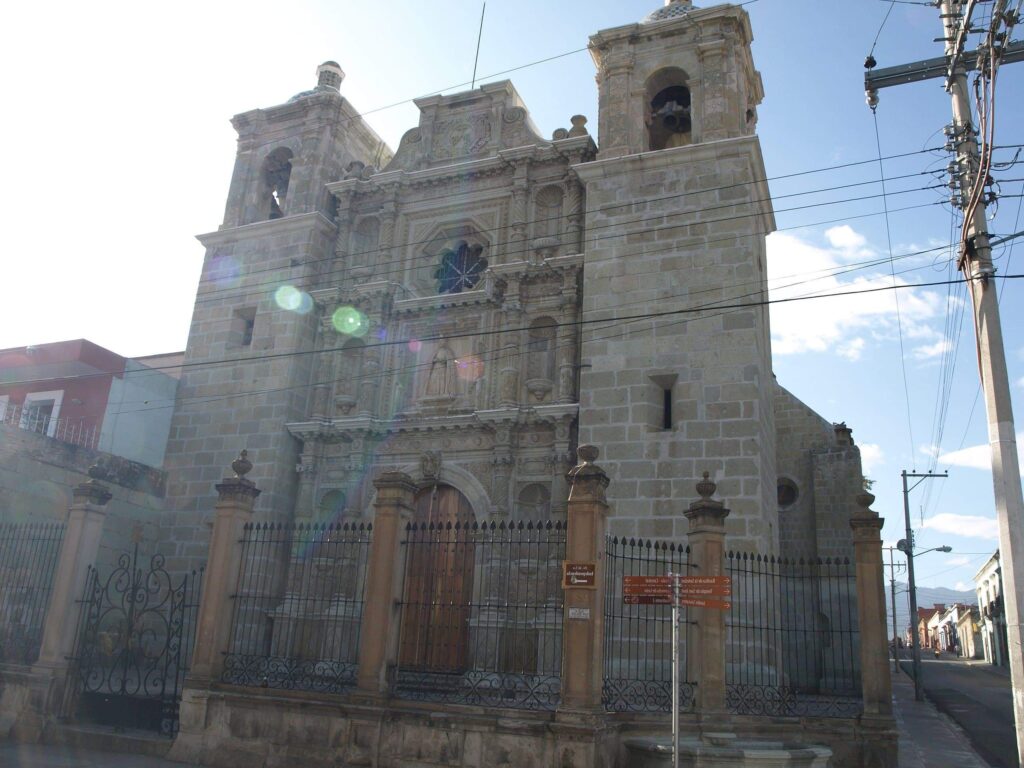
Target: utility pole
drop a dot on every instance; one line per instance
(915, 641)
(976, 264)
(895, 626)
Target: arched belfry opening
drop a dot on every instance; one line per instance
(277, 171)
(668, 115)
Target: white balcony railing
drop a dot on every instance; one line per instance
(34, 419)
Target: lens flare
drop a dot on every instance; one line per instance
(350, 321)
(224, 270)
(469, 368)
(288, 297)
(415, 345)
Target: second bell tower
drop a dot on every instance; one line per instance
(682, 76)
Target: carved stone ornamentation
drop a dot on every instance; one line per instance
(430, 466)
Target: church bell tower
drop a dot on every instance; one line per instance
(676, 360)
(684, 75)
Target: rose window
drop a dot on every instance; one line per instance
(461, 268)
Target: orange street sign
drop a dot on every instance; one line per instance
(628, 589)
(706, 581)
(649, 581)
(692, 591)
(647, 600)
(700, 602)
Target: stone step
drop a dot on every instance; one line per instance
(106, 739)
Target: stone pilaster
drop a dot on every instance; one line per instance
(874, 650)
(583, 621)
(28, 703)
(78, 550)
(385, 578)
(305, 503)
(236, 497)
(706, 537)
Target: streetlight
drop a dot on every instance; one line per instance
(906, 546)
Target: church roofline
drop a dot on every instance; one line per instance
(505, 159)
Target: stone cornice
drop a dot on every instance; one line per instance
(344, 429)
(296, 223)
(681, 157)
(488, 294)
(666, 27)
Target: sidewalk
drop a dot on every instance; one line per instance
(928, 739)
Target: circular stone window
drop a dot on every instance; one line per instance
(788, 492)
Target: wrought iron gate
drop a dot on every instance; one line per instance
(134, 643)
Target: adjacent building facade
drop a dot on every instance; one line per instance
(989, 586)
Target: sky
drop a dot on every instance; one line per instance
(120, 150)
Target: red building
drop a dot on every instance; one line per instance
(81, 393)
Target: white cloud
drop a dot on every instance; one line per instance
(845, 238)
(842, 324)
(963, 586)
(956, 561)
(978, 456)
(1020, 382)
(852, 349)
(970, 526)
(870, 457)
(932, 350)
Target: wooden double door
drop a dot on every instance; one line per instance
(439, 575)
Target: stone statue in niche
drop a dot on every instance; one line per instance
(441, 379)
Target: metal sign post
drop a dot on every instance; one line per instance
(675, 668)
(680, 591)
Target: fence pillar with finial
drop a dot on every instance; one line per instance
(236, 497)
(874, 643)
(706, 537)
(880, 738)
(385, 580)
(78, 551)
(583, 619)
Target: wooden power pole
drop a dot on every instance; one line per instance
(975, 255)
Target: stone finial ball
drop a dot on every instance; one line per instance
(588, 453)
(241, 465)
(706, 487)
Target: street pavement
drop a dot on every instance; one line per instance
(977, 696)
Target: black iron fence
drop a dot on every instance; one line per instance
(134, 644)
(638, 637)
(482, 614)
(298, 606)
(793, 647)
(28, 559)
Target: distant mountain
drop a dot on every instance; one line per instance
(926, 598)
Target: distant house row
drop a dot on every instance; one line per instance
(971, 631)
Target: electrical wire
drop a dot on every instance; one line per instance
(899, 315)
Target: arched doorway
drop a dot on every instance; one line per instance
(438, 582)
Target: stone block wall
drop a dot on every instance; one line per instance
(236, 392)
(821, 463)
(678, 234)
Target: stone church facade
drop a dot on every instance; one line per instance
(466, 388)
(472, 306)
